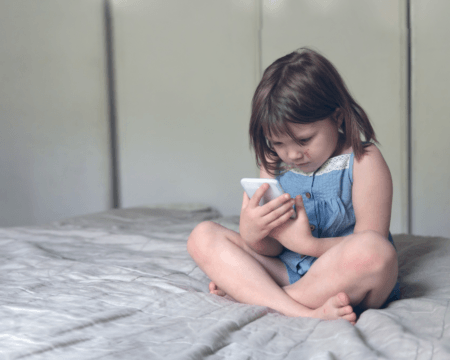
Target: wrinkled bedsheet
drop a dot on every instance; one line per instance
(121, 285)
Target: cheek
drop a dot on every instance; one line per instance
(306, 153)
(281, 154)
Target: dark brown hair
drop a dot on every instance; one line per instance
(303, 87)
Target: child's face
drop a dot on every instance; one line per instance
(318, 140)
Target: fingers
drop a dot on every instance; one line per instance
(285, 211)
(280, 215)
(300, 207)
(279, 209)
(245, 200)
(278, 206)
(257, 196)
(284, 217)
(271, 205)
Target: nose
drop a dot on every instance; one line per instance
(295, 154)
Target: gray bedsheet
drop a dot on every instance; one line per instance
(121, 285)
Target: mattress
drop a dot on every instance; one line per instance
(121, 285)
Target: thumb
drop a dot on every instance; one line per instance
(298, 205)
(245, 200)
(300, 209)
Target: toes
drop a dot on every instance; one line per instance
(345, 310)
(212, 287)
(342, 299)
(351, 318)
(218, 292)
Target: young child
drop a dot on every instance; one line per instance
(337, 253)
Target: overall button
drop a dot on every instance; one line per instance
(308, 195)
(312, 227)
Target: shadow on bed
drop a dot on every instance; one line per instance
(418, 258)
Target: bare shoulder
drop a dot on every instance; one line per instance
(371, 162)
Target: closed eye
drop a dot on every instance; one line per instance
(273, 143)
(304, 141)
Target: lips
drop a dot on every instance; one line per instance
(297, 166)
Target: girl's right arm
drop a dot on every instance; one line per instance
(256, 222)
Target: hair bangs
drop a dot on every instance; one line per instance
(274, 127)
(279, 115)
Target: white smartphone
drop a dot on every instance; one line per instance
(250, 185)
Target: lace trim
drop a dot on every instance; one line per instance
(340, 162)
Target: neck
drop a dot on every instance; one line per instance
(340, 145)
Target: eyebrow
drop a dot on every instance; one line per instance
(303, 136)
(306, 134)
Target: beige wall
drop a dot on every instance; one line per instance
(53, 114)
(430, 117)
(186, 72)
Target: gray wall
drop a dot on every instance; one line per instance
(430, 117)
(185, 74)
(54, 152)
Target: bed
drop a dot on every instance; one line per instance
(121, 285)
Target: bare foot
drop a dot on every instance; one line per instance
(214, 289)
(336, 307)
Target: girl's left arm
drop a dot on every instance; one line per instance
(372, 193)
(372, 201)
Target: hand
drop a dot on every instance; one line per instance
(256, 221)
(296, 234)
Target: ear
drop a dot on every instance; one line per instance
(338, 117)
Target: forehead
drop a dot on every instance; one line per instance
(294, 130)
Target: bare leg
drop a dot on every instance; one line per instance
(363, 266)
(334, 308)
(252, 278)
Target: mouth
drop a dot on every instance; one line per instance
(294, 165)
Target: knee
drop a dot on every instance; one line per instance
(200, 240)
(372, 253)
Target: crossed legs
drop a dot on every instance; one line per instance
(361, 270)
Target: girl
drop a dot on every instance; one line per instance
(337, 253)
